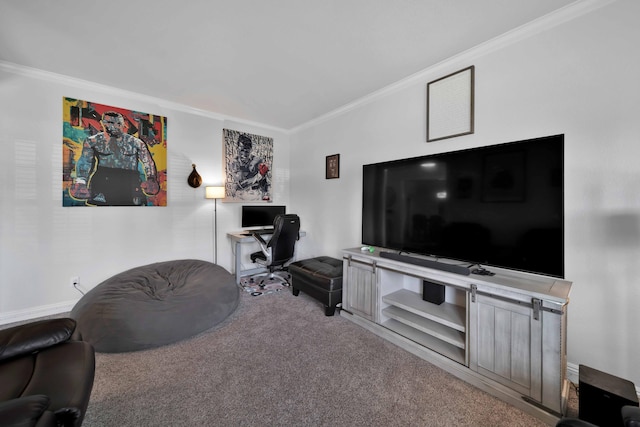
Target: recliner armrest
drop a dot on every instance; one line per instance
(25, 339)
(23, 411)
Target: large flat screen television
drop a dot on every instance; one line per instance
(500, 205)
(260, 215)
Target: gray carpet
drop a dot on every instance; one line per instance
(279, 361)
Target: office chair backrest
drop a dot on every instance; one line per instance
(286, 230)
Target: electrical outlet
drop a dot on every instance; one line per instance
(75, 281)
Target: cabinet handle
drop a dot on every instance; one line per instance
(537, 305)
(474, 289)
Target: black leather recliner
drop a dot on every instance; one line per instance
(46, 376)
(630, 418)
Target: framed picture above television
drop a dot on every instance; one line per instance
(450, 105)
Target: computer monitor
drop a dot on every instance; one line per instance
(260, 215)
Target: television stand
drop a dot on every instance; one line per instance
(505, 334)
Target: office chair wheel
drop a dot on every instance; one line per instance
(295, 292)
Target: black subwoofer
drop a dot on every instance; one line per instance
(602, 396)
(432, 292)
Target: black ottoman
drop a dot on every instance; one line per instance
(320, 278)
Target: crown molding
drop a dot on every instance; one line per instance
(77, 83)
(544, 23)
(530, 29)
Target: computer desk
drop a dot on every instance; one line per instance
(238, 238)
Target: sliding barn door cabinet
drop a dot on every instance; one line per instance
(505, 333)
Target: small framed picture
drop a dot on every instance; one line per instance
(333, 166)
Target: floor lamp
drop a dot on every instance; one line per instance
(215, 193)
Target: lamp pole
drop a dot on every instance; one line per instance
(215, 193)
(215, 231)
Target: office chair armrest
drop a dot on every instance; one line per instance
(263, 244)
(258, 237)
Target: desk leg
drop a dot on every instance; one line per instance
(238, 271)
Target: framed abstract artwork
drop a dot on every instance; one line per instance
(248, 167)
(112, 156)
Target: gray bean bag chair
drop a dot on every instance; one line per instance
(155, 305)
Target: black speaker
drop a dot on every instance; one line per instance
(432, 292)
(423, 262)
(602, 396)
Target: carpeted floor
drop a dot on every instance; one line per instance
(279, 361)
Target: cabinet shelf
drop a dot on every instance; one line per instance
(452, 352)
(447, 314)
(435, 329)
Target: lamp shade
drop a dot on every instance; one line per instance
(214, 192)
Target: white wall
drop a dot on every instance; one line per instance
(579, 78)
(45, 244)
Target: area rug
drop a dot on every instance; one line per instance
(269, 286)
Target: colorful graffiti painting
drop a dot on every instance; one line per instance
(248, 164)
(112, 156)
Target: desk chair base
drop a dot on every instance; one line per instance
(281, 275)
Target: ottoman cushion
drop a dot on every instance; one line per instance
(320, 278)
(324, 272)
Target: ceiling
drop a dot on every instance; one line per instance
(280, 63)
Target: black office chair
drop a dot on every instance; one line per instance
(279, 250)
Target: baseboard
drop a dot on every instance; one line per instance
(36, 312)
(572, 373)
